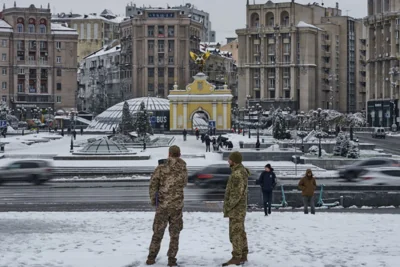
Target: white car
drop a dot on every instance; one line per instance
(381, 176)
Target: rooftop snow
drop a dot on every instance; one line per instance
(58, 28)
(118, 19)
(302, 24)
(5, 27)
(103, 51)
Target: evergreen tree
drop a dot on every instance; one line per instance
(279, 124)
(142, 124)
(345, 146)
(354, 150)
(337, 151)
(126, 124)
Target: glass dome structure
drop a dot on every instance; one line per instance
(103, 147)
(112, 117)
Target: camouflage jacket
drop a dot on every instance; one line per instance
(235, 202)
(167, 184)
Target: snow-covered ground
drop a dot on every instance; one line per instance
(111, 239)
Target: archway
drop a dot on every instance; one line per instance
(285, 19)
(200, 119)
(255, 20)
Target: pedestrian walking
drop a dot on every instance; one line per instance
(81, 130)
(235, 208)
(307, 185)
(267, 181)
(166, 194)
(184, 134)
(214, 143)
(74, 133)
(207, 139)
(197, 133)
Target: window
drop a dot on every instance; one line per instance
(82, 33)
(171, 31)
(171, 45)
(58, 72)
(286, 59)
(58, 99)
(58, 45)
(88, 31)
(4, 85)
(150, 31)
(170, 60)
(4, 43)
(4, 98)
(20, 87)
(160, 73)
(58, 86)
(287, 93)
(286, 83)
(151, 72)
(20, 27)
(58, 59)
(4, 71)
(286, 48)
(286, 72)
(150, 87)
(21, 71)
(20, 45)
(95, 31)
(271, 59)
(4, 57)
(272, 94)
(150, 44)
(31, 28)
(161, 32)
(161, 46)
(42, 28)
(151, 60)
(271, 83)
(171, 73)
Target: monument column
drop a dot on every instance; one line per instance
(185, 115)
(225, 111)
(174, 110)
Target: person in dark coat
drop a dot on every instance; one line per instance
(267, 181)
(184, 134)
(197, 133)
(214, 142)
(207, 139)
(81, 130)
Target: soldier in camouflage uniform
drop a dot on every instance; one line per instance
(235, 207)
(166, 193)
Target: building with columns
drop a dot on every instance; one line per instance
(301, 56)
(383, 35)
(200, 97)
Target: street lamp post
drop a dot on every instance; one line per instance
(250, 110)
(259, 112)
(318, 114)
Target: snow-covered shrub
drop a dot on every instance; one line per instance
(279, 124)
(313, 150)
(337, 150)
(354, 150)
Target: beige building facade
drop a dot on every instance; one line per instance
(300, 56)
(95, 30)
(383, 35)
(232, 47)
(39, 66)
(155, 46)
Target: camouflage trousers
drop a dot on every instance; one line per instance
(238, 237)
(162, 218)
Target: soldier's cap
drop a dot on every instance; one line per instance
(236, 157)
(174, 151)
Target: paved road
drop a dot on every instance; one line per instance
(389, 145)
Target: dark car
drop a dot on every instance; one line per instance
(214, 176)
(355, 170)
(33, 171)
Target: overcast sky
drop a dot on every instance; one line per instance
(226, 15)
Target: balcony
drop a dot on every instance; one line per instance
(43, 49)
(43, 62)
(20, 48)
(32, 90)
(32, 48)
(32, 76)
(43, 76)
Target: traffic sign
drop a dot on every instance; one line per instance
(211, 124)
(3, 124)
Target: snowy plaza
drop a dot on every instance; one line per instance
(286, 239)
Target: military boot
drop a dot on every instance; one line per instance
(233, 261)
(172, 262)
(243, 259)
(150, 261)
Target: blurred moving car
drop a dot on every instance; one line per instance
(381, 176)
(379, 133)
(33, 171)
(215, 176)
(353, 171)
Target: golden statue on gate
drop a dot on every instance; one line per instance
(200, 60)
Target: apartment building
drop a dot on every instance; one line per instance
(232, 46)
(38, 61)
(383, 34)
(300, 56)
(155, 46)
(101, 82)
(95, 30)
(206, 35)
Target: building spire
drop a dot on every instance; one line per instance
(4, 6)
(48, 5)
(15, 3)
(247, 3)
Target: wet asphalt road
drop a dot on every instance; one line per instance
(389, 145)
